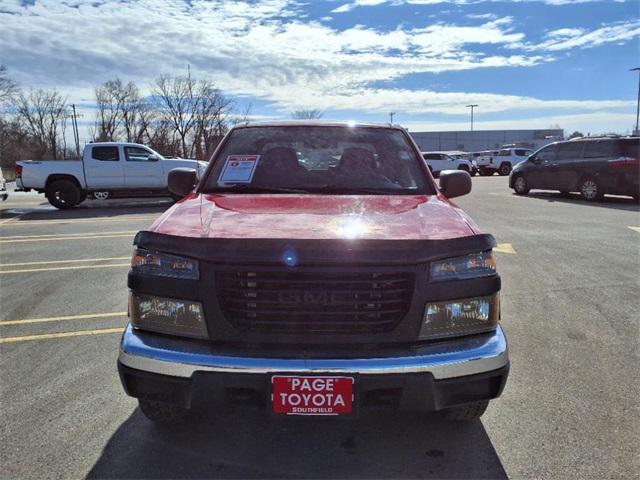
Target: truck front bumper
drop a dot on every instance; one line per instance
(428, 377)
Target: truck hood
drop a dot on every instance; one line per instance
(318, 217)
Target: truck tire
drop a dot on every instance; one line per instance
(464, 167)
(590, 189)
(520, 185)
(161, 412)
(505, 169)
(466, 413)
(486, 173)
(63, 194)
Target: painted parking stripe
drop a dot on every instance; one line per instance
(53, 262)
(87, 316)
(66, 235)
(56, 239)
(71, 267)
(47, 336)
(505, 248)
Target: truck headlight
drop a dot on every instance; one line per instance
(159, 264)
(460, 317)
(482, 264)
(167, 315)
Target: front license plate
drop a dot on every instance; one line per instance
(294, 395)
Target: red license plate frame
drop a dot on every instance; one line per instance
(312, 395)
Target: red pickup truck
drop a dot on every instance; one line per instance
(314, 269)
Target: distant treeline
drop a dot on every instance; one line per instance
(179, 116)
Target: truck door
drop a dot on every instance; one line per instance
(143, 168)
(103, 167)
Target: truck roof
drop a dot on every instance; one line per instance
(316, 123)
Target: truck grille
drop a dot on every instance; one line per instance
(297, 302)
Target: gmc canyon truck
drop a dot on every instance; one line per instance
(314, 269)
(107, 170)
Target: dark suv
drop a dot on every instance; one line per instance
(591, 166)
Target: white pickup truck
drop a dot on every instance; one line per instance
(439, 161)
(107, 169)
(501, 161)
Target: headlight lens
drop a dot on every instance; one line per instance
(460, 317)
(480, 264)
(167, 315)
(158, 264)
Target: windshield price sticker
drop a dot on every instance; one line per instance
(239, 169)
(312, 395)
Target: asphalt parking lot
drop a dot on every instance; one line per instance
(570, 303)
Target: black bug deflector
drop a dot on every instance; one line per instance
(297, 252)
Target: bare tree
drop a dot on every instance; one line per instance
(44, 115)
(307, 114)
(197, 111)
(8, 87)
(110, 99)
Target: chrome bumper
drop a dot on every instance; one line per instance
(181, 358)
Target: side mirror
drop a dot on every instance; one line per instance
(455, 183)
(182, 181)
(152, 158)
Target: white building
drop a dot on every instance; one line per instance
(485, 139)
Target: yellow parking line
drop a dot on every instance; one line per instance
(72, 267)
(505, 248)
(65, 317)
(45, 336)
(69, 235)
(51, 262)
(54, 239)
(28, 223)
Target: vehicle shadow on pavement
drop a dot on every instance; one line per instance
(89, 210)
(251, 445)
(618, 203)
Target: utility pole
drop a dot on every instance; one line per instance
(76, 135)
(391, 114)
(637, 130)
(472, 107)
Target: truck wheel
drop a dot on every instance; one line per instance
(505, 169)
(486, 173)
(464, 167)
(590, 190)
(520, 185)
(161, 412)
(466, 413)
(63, 194)
(101, 195)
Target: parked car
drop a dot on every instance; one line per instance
(507, 159)
(107, 170)
(486, 162)
(440, 161)
(591, 166)
(314, 291)
(3, 188)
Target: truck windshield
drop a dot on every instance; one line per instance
(318, 159)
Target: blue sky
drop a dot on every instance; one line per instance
(526, 63)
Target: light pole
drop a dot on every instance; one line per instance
(637, 131)
(391, 114)
(472, 107)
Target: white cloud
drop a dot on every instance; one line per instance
(568, 38)
(264, 50)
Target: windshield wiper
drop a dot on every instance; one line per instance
(247, 188)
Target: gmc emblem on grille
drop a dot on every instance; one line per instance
(308, 298)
